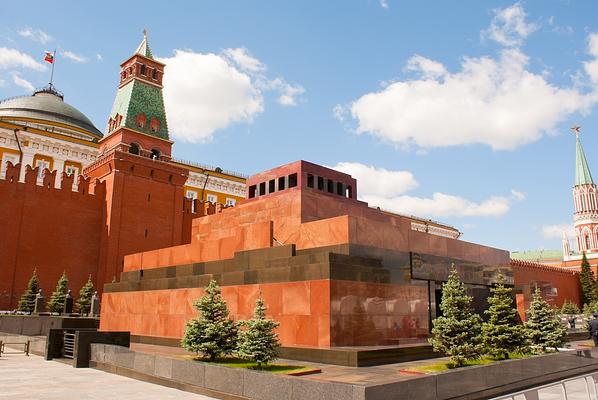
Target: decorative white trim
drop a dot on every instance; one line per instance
(434, 230)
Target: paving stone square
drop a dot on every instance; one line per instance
(32, 377)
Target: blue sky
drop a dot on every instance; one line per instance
(457, 111)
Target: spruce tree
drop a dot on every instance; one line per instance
(56, 303)
(502, 332)
(85, 295)
(258, 342)
(543, 328)
(458, 332)
(212, 333)
(27, 301)
(587, 282)
(569, 307)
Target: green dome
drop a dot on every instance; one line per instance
(47, 105)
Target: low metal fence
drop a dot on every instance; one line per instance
(578, 388)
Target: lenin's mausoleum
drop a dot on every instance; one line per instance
(153, 231)
(332, 270)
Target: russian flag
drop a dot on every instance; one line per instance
(49, 57)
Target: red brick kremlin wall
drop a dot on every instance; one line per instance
(556, 284)
(137, 208)
(51, 230)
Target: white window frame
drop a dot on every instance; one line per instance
(42, 164)
(6, 157)
(212, 198)
(231, 202)
(191, 194)
(74, 170)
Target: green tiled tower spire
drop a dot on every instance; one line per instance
(144, 48)
(139, 104)
(582, 171)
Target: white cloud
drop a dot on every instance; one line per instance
(339, 112)
(12, 58)
(442, 205)
(244, 60)
(99, 57)
(37, 35)
(25, 84)
(207, 92)
(517, 195)
(556, 231)
(509, 27)
(204, 93)
(426, 67)
(378, 181)
(384, 3)
(385, 188)
(591, 67)
(288, 93)
(73, 57)
(496, 102)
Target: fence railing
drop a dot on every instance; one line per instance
(578, 388)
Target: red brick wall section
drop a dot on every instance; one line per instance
(144, 204)
(50, 229)
(557, 284)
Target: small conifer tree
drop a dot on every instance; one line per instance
(543, 328)
(502, 332)
(85, 295)
(569, 307)
(56, 303)
(27, 301)
(258, 342)
(457, 333)
(587, 282)
(212, 333)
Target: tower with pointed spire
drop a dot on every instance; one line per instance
(586, 202)
(137, 121)
(144, 189)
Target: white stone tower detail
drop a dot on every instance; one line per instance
(586, 202)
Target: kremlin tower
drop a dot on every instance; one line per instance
(585, 216)
(144, 190)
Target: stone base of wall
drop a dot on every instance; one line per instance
(345, 356)
(216, 381)
(359, 356)
(40, 325)
(37, 344)
(480, 382)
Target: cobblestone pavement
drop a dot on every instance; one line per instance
(28, 378)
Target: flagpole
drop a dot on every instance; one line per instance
(52, 74)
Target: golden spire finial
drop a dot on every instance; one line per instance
(576, 129)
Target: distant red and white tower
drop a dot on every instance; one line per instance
(586, 202)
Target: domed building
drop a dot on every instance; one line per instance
(44, 131)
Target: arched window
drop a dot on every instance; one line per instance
(134, 148)
(141, 120)
(154, 73)
(143, 72)
(155, 124)
(156, 154)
